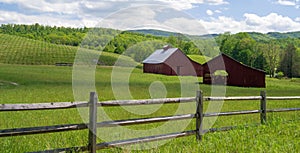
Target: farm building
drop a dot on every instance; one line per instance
(232, 73)
(171, 61)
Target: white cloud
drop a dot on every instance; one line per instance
(78, 13)
(186, 26)
(158, 17)
(209, 12)
(55, 6)
(253, 19)
(18, 18)
(75, 6)
(131, 18)
(287, 2)
(218, 11)
(216, 2)
(274, 22)
(188, 4)
(88, 12)
(222, 24)
(252, 22)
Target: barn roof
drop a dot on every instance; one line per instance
(222, 54)
(160, 56)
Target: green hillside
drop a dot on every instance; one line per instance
(199, 58)
(20, 50)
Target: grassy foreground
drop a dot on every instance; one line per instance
(36, 84)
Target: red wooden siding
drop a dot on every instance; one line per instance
(176, 64)
(238, 74)
(172, 61)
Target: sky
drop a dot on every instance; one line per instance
(215, 16)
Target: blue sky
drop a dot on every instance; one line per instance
(215, 16)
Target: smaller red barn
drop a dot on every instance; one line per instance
(171, 61)
(225, 70)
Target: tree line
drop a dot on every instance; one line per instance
(271, 55)
(56, 35)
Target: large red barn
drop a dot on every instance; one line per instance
(219, 70)
(171, 61)
(237, 74)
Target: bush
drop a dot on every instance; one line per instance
(280, 75)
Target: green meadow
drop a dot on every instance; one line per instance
(20, 50)
(28, 75)
(47, 83)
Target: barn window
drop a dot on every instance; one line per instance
(219, 77)
(220, 73)
(207, 75)
(178, 70)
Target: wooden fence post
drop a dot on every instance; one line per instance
(263, 107)
(199, 115)
(92, 124)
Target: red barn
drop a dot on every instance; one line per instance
(225, 70)
(171, 61)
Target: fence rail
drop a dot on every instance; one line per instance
(93, 103)
(65, 105)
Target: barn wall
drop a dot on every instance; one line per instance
(153, 68)
(183, 65)
(177, 64)
(238, 74)
(160, 68)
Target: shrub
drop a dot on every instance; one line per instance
(280, 75)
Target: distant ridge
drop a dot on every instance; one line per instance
(255, 35)
(167, 33)
(154, 32)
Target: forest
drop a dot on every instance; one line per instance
(276, 53)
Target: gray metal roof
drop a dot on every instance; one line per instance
(160, 56)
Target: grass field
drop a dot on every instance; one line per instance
(20, 50)
(199, 59)
(36, 84)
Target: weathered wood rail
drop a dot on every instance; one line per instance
(93, 103)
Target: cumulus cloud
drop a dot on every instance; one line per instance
(209, 12)
(158, 17)
(74, 6)
(130, 18)
(216, 2)
(287, 2)
(18, 18)
(186, 26)
(253, 19)
(222, 24)
(293, 3)
(188, 4)
(83, 12)
(78, 13)
(252, 22)
(218, 11)
(43, 6)
(72, 12)
(273, 22)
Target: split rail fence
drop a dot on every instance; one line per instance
(92, 126)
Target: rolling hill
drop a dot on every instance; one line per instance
(20, 50)
(255, 35)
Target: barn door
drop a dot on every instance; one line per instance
(178, 70)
